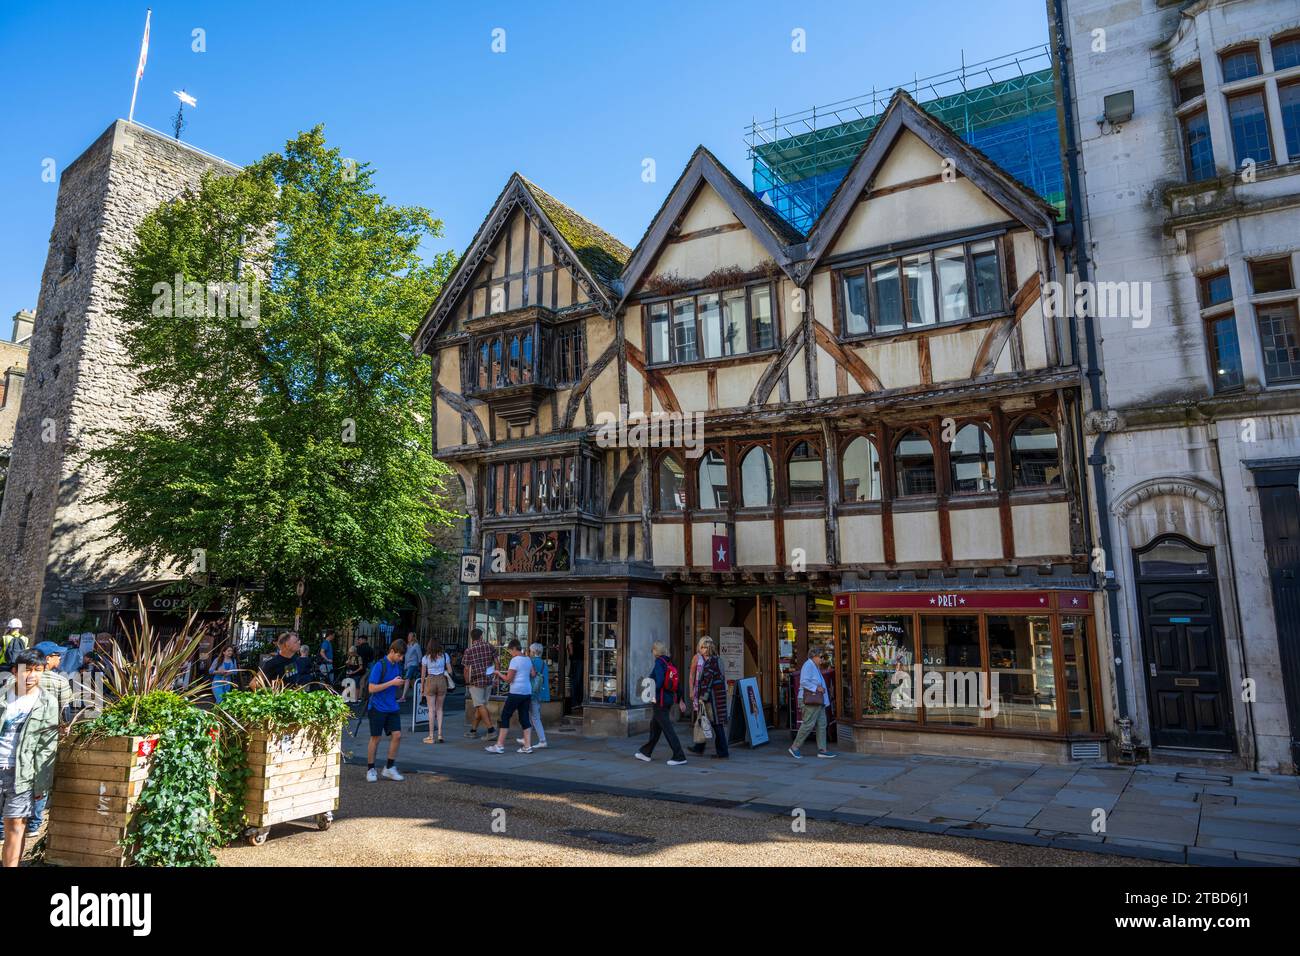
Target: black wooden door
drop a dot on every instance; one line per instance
(1187, 684)
(1280, 509)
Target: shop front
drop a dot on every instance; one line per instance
(596, 638)
(1000, 674)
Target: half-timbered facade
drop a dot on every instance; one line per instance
(888, 461)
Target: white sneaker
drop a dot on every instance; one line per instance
(519, 741)
(494, 749)
(524, 750)
(540, 746)
(676, 763)
(372, 775)
(390, 773)
(640, 756)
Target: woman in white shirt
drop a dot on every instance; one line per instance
(435, 678)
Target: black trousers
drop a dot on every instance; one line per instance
(661, 724)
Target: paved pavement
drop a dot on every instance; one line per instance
(1160, 813)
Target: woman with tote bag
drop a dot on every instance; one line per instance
(710, 701)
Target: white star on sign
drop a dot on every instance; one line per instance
(931, 600)
(722, 553)
(961, 600)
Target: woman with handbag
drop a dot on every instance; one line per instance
(814, 695)
(710, 700)
(435, 681)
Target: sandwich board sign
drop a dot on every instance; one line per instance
(747, 721)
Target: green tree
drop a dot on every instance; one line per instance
(289, 440)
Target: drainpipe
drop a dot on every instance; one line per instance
(1093, 373)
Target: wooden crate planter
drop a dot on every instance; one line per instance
(289, 780)
(97, 785)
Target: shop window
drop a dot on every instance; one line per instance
(885, 675)
(672, 484)
(502, 621)
(971, 461)
(602, 680)
(757, 481)
(713, 481)
(1198, 150)
(1035, 457)
(1279, 335)
(1241, 63)
(1189, 83)
(861, 471)
(1173, 557)
(1022, 673)
(1078, 674)
(1286, 51)
(1249, 123)
(807, 481)
(914, 466)
(1270, 275)
(952, 664)
(1288, 97)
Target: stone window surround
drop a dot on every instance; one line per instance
(1214, 99)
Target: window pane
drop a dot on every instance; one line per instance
(885, 645)
(756, 479)
(1225, 354)
(1271, 275)
(1035, 460)
(1286, 53)
(659, 332)
(861, 471)
(672, 484)
(854, 286)
(760, 306)
(888, 297)
(1249, 128)
(685, 348)
(1022, 675)
(988, 281)
(1280, 339)
(1174, 558)
(971, 458)
(1198, 153)
(1289, 98)
(1189, 83)
(951, 264)
(711, 324)
(1078, 673)
(951, 662)
(713, 481)
(920, 289)
(807, 484)
(734, 341)
(1215, 289)
(914, 466)
(1241, 64)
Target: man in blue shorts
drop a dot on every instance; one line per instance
(385, 714)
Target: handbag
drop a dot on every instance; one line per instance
(814, 698)
(703, 730)
(446, 672)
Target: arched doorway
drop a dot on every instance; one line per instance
(1186, 668)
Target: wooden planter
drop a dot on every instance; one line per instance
(96, 788)
(289, 781)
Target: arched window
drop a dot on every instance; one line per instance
(861, 471)
(1035, 457)
(1172, 557)
(526, 373)
(484, 365)
(495, 379)
(756, 478)
(914, 465)
(672, 484)
(972, 461)
(514, 359)
(713, 481)
(804, 472)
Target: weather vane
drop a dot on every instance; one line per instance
(178, 121)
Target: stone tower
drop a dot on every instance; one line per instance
(52, 539)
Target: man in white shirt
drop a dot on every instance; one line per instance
(814, 695)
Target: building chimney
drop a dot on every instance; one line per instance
(24, 320)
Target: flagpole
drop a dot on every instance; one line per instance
(139, 70)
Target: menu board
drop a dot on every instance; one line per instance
(731, 649)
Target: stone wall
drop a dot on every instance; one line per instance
(80, 377)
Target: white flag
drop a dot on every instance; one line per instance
(144, 46)
(186, 98)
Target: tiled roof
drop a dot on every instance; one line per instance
(602, 254)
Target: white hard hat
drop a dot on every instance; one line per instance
(15, 623)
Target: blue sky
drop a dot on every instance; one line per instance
(583, 93)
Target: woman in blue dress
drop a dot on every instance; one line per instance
(222, 672)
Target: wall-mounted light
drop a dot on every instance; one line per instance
(1117, 109)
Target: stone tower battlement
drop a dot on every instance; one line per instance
(79, 377)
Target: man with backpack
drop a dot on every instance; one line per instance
(12, 644)
(666, 681)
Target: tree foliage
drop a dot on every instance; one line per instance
(292, 441)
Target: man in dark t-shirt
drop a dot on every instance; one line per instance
(280, 666)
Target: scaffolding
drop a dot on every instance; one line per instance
(1005, 106)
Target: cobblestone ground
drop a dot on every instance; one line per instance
(428, 820)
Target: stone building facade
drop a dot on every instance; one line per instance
(1194, 203)
(79, 378)
(13, 369)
